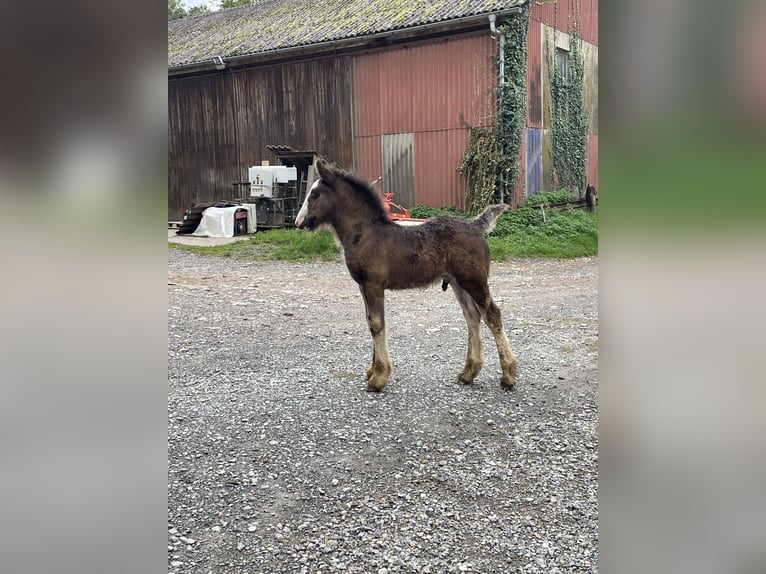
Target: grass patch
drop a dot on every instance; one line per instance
(219, 250)
(535, 229)
(292, 244)
(287, 244)
(561, 234)
(532, 230)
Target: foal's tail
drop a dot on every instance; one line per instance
(486, 219)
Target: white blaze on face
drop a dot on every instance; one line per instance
(305, 207)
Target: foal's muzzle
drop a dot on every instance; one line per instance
(308, 223)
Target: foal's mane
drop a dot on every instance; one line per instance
(365, 192)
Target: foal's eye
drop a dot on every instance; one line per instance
(314, 194)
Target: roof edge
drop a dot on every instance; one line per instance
(371, 40)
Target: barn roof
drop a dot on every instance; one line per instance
(268, 26)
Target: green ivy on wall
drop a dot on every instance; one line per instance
(479, 169)
(491, 162)
(569, 123)
(512, 100)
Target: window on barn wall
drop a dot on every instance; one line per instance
(562, 63)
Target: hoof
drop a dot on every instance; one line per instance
(461, 380)
(375, 384)
(507, 384)
(369, 372)
(508, 381)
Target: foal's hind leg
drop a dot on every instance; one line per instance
(475, 356)
(508, 362)
(491, 315)
(380, 370)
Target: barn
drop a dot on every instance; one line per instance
(383, 87)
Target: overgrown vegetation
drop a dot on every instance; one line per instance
(479, 169)
(535, 229)
(425, 211)
(550, 197)
(569, 122)
(512, 100)
(491, 161)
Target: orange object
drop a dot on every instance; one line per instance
(399, 213)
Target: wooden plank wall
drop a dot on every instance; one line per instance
(219, 124)
(343, 106)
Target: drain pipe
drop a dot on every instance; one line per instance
(501, 48)
(500, 81)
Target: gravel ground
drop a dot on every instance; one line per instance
(279, 461)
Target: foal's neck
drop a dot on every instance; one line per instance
(353, 218)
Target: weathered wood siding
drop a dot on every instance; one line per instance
(202, 150)
(219, 124)
(351, 107)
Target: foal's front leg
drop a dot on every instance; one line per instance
(380, 370)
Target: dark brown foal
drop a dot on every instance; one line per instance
(382, 255)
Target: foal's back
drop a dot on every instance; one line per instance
(400, 257)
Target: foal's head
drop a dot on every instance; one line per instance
(337, 194)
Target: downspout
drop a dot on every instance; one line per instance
(500, 81)
(501, 47)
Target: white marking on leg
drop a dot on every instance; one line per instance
(475, 354)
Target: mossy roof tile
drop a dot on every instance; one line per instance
(267, 25)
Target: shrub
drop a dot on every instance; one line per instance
(424, 211)
(548, 197)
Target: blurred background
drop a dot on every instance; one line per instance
(83, 332)
(682, 276)
(83, 307)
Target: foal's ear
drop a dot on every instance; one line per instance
(324, 169)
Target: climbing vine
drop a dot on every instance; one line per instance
(479, 169)
(569, 123)
(491, 162)
(512, 100)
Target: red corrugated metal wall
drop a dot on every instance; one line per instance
(422, 89)
(561, 13)
(534, 75)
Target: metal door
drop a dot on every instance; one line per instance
(534, 160)
(398, 160)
